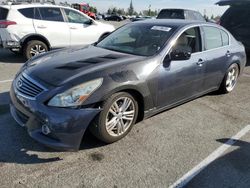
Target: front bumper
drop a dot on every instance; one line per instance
(66, 126)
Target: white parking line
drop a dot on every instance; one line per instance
(184, 180)
(5, 81)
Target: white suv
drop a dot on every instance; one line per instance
(34, 28)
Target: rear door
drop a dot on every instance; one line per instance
(82, 29)
(50, 23)
(217, 52)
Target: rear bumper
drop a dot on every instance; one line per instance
(64, 128)
(8, 40)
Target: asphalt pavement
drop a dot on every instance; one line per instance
(156, 153)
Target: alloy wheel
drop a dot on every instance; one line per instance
(120, 116)
(232, 77)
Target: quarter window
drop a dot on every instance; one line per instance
(225, 38)
(27, 12)
(3, 13)
(75, 17)
(213, 38)
(51, 14)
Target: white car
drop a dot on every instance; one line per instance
(35, 28)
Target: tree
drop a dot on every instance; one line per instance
(109, 11)
(131, 9)
(93, 9)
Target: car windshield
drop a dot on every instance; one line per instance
(138, 39)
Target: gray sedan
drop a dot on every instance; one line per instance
(139, 70)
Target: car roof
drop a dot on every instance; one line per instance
(232, 2)
(19, 6)
(164, 9)
(173, 22)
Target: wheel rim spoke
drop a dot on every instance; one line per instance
(231, 79)
(120, 116)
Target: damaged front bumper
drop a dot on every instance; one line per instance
(58, 128)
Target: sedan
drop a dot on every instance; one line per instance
(139, 70)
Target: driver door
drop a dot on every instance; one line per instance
(180, 80)
(82, 30)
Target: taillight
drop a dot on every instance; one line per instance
(5, 24)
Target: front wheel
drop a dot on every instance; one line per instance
(119, 114)
(33, 48)
(230, 80)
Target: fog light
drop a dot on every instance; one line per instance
(45, 129)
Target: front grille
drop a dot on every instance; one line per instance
(27, 86)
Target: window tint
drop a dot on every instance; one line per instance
(27, 12)
(171, 14)
(51, 14)
(37, 14)
(3, 13)
(225, 38)
(213, 38)
(75, 17)
(189, 40)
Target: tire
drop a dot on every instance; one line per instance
(99, 127)
(230, 79)
(37, 46)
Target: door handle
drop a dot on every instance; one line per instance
(73, 28)
(228, 54)
(200, 62)
(41, 27)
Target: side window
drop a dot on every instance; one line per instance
(190, 40)
(213, 38)
(75, 17)
(225, 38)
(51, 14)
(27, 12)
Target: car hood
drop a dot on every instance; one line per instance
(232, 2)
(59, 67)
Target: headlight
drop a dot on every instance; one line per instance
(76, 95)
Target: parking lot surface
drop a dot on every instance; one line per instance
(156, 153)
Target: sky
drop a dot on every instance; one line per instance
(200, 5)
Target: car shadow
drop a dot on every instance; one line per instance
(16, 144)
(229, 170)
(248, 61)
(8, 57)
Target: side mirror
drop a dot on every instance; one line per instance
(180, 54)
(89, 22)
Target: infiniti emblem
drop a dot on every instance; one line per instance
(19, 83)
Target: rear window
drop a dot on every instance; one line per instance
(171, 14)
(3, 13)
(213, 38)
(27, 12)
(51, 14)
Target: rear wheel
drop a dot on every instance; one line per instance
(230, 80)
(33, 48)
(119, 114)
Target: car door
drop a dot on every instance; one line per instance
(83, 30)
(181, 80)
(217, 54)
(49, 22)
